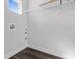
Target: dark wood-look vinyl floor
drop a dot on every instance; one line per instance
(30, 53)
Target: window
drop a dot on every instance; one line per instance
(15, 6)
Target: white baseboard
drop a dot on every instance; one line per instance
(43, 50)
(15, 51)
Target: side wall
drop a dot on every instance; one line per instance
(52, 30)
(14, 39)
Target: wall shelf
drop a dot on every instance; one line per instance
(25, 7)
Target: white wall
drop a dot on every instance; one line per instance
(14, 39)
(52, 30)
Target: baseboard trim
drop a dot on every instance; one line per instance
(34, 54)
(15, 51)
(44, 50)
(44, 53)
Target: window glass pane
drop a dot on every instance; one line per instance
(15, 6)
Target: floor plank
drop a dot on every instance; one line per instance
(30, 53)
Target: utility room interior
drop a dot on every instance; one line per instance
(39, 29)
